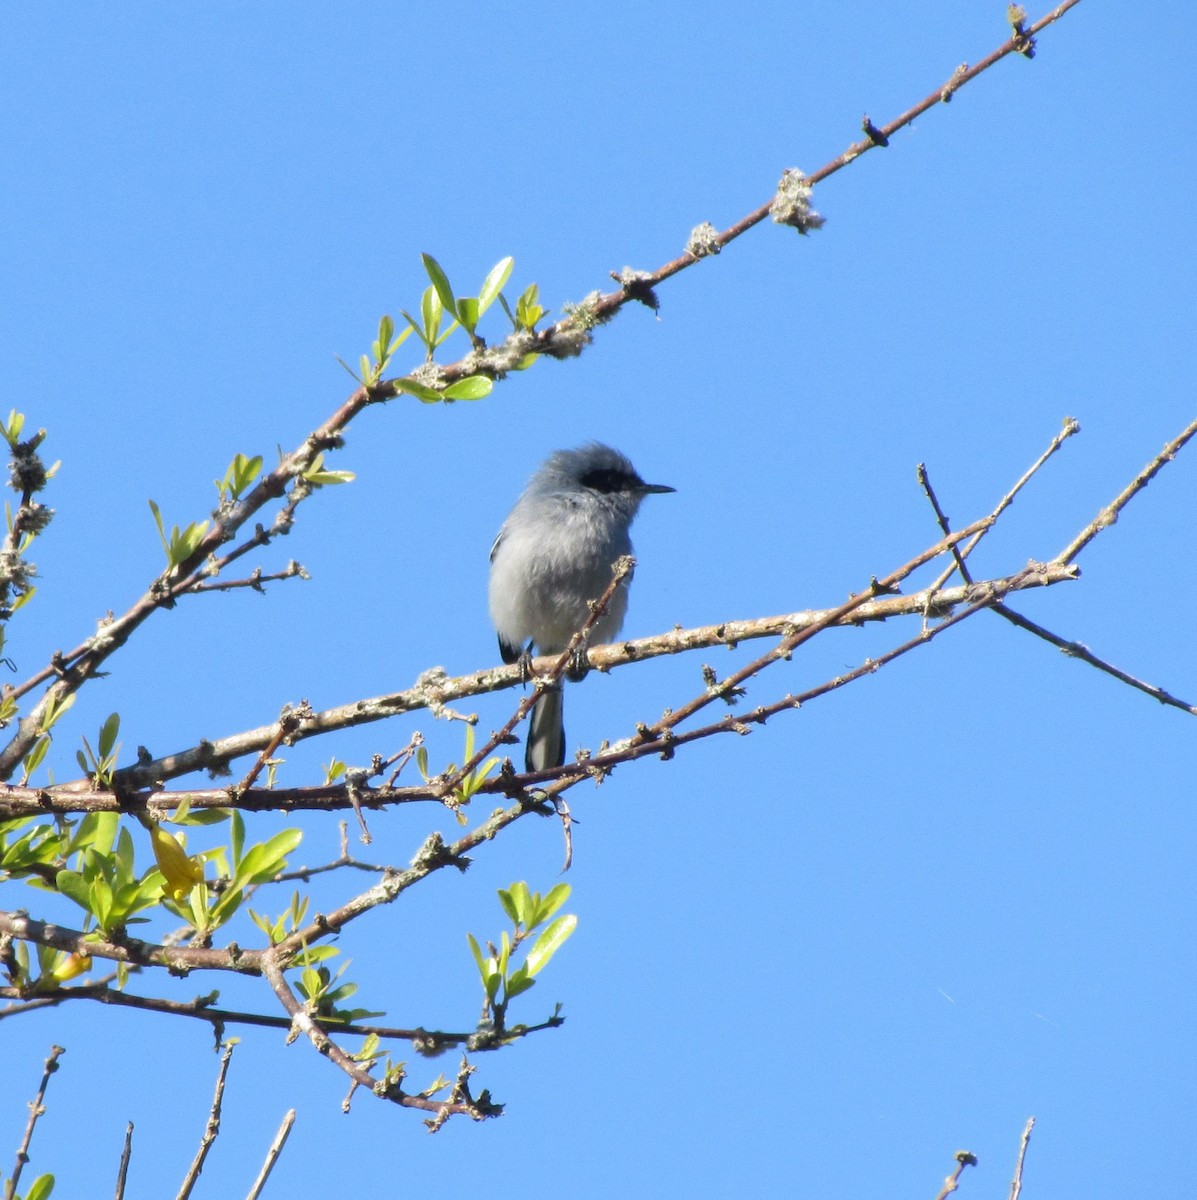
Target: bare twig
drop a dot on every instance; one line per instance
(288, 720)
(276, 1148)
(1076, 650)
(1016, 1182)
(1109, 515)
(1070, 427)
(123, 1170)
(343, 860)
(211, 1129)
(293, 570)
(202, 1009)
(36, 1108)
(942, 520)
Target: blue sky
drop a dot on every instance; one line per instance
(885, 928)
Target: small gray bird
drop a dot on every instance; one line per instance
(553, 555)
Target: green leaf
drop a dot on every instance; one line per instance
(431, 309)
(237, 836)
(33, 759)
(108, 734)
(440, 281)
(519, 982)
(472, 387)
(12, 430)
(41, 1188)
(348, 369)
(426, 394)
(103, 831)
(161, 528)
(550, 942)
(551, 903)
(467, 313)
(477, 955)
(99, 899)
(507, 900)
(414, 328)
(494, 283)
(74, 887)
(203, 816)
(265, 860)
(386, 331)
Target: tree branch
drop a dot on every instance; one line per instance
(70, 670)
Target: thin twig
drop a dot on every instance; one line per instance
(1109, 515)
(1070, 427)
(211, 1129)
(276, 1148)
(942, 520)
(1077, 650)
(292, 570)
(36, 1108)
(201, 1009)
(287, 721)
(123, 1170)
(1016, 1182)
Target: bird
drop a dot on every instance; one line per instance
(553, 556)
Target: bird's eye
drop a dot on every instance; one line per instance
(605, 479)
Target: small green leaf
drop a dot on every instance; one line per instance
(494, 283)
(41, 1188)
(440, 281)
(519, 982)
(386, 331)
(509, 907)
(477, 955)
(12, 430)
(161, 528)
(556, 897)
(426, 394)
(550, 942)
(467, 313)
(472, 387)
(34, 758)
(108, 734)
(74, 887)
(348, 369)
